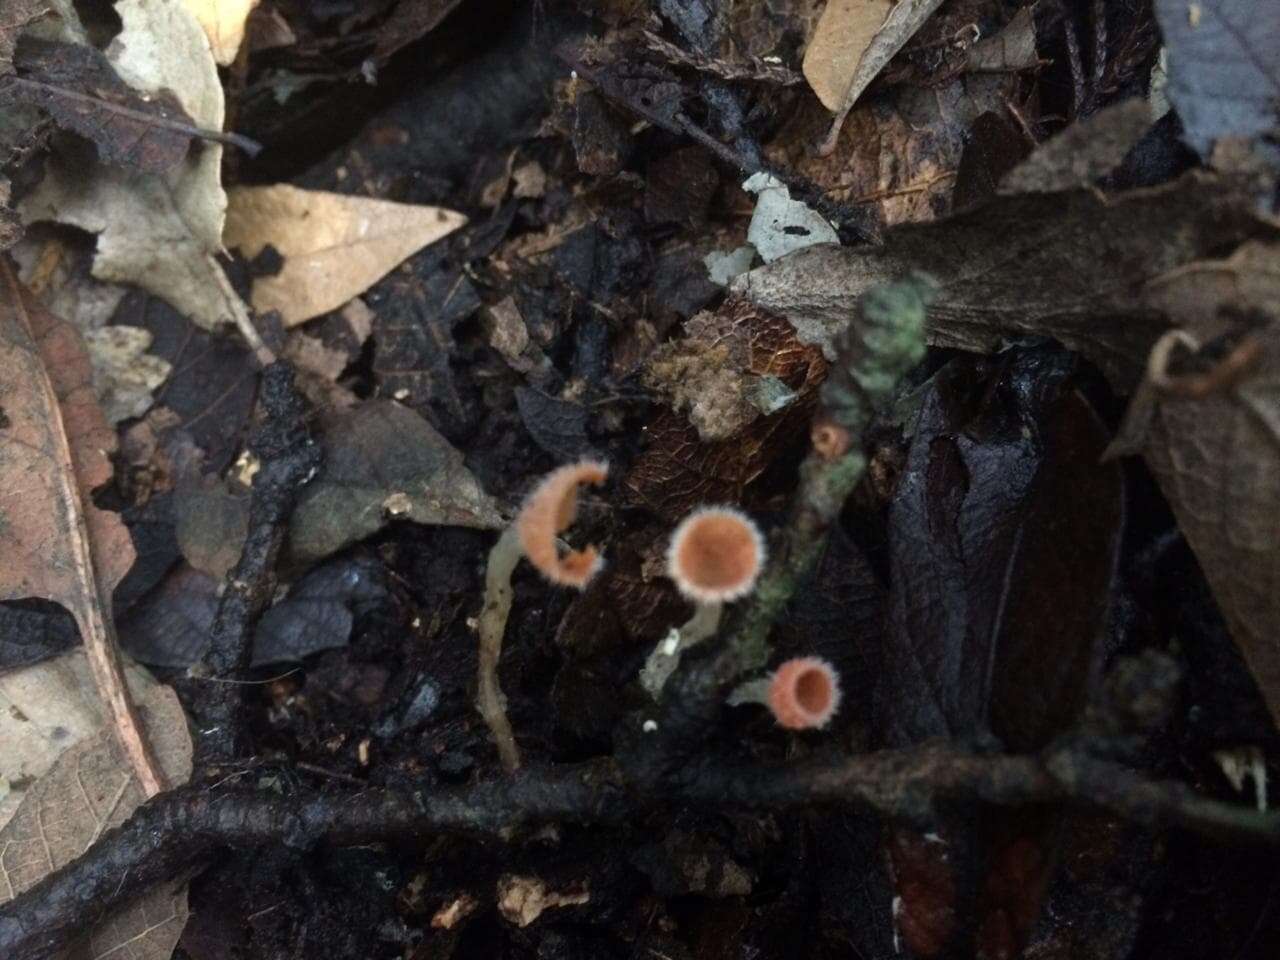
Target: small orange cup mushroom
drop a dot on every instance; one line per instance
(716, 555)
(549, 510)
(804, 693)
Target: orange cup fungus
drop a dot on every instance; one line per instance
(549, 510)
(716, 554)
(804, 693)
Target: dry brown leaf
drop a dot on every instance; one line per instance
(223, 23)
(335, 246)
(1217, 457)
(87, 791)
(851, 45)
(54, 451)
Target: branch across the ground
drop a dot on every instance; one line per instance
(177, 828)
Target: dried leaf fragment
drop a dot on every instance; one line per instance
(77, 87)
(1217, 457)
(851, 45)
(335, 246)
(88, 791)
(54, 451)
(161, 232)
(223, 23)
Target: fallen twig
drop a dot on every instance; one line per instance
(289, 458)
(168, 833)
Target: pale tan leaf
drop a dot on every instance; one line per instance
(159, 231)
(334, 246)
(851, 45)
(54, 451)
(88, 791)
(1217, 457)
(223, 23)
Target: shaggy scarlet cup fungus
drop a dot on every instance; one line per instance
(550, 509)
(716, 554)
(804, 693)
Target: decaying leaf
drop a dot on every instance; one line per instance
(1223, 77)
(223, 23)
(77, 87)
(1217, 456)
(56, 450)
(124, 374)
(45, 709)
(161, 232)
(88, 791)
(383, 462)
(715, 371)
(679, 470)
(335, 246)
(899, 154)
(10, 225)
(17, 14)
(1069, 265)
(852, 43)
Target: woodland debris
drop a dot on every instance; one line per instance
(57, 452)
(334, 246)
(162, 232)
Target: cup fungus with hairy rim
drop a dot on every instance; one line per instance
(716, 555)
(804, 693)
(550, 509)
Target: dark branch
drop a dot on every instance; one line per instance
(289, 459)
(166, 835)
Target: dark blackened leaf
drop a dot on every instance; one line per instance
(213, 383)
(409, 21)
(415, 318)
(679, 187)
(953, 525)
(1054, 612)
(170, 626)
(34, 630)
(557, 426)
(1003, 533)
(384, 462)
(995, 147)
(151, 527)
(319, 611)
(1224, 68)
(81, 91)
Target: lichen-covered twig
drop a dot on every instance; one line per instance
(884, 341)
